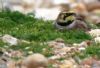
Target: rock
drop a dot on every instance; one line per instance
(10, 39)
(3, 64)
(60, 50)
(82, 49)
(11, 64)
(59, 40)
(54, 57)
(89, 60)
(79, 8)
(82, 44)
(68, 64)
(56, 44)
(94, 32)
(15, 64)
(18, 54)
(35, 61)
(65, 52)
(96, 64)
(30, 52)
(22, 6)
(95, 19)
(88, 1)
(85, 66)
(61, 1)
(77, 59)
(97, 39)
(24, 41)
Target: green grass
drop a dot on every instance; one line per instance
(93, 50)
(36, 31)
(28, 28)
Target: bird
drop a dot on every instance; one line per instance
(70, 20)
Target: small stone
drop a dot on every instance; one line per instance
(94, 32)
(3, 64)
(97, 39)
(54, 57)
(68, 64)
(35, 61)
(11, 64)
(56, 44)
(30, 52)
(16, 54)
(96, 64)
(9, 39)
(81, 49)
(82, 44)
(95, 19)
(59, 40)
(88, 61)
(24, 41)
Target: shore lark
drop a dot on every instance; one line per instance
(70, 20)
